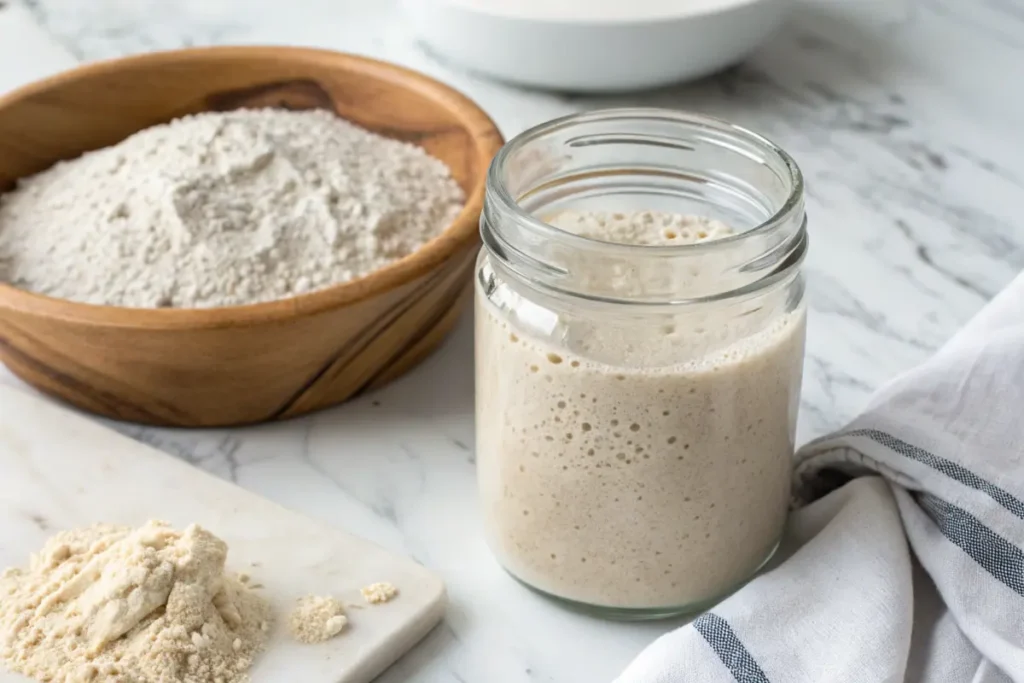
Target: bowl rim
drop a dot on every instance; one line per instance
(462, 231)
(627, 22)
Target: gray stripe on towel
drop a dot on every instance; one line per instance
(948, 467)
(729, 649)
(992, 552)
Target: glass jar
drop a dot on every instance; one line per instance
(636, 402)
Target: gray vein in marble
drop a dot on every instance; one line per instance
(924, 254)
(41, 14)
(38, 520)
(212, 451)
(1001, 172)
(911, 278)
(827, 295)
(832, 379)
(1001, 20)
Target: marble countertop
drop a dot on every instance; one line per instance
(899, 113)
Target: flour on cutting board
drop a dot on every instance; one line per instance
(60, 469)
(317, 618)
(379, 593)
(153, 604)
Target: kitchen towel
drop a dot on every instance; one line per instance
(912, 570)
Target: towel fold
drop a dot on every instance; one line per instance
(903, 561)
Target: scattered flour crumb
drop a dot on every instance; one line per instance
(317, 618)
(377, 593)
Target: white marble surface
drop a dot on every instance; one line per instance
(905, 117)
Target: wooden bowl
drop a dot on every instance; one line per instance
(242, 364)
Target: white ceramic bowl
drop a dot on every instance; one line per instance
(620, 45)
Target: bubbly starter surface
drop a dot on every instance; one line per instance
(637, 480)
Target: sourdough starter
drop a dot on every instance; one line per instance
(638, 480)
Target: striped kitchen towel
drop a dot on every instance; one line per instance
(913, 570)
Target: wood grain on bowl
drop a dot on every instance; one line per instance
(266, 361)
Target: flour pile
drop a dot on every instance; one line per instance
(146, 605)
(222, 209)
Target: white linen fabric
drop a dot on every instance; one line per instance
(912, 569)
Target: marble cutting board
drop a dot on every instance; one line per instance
(60, 470)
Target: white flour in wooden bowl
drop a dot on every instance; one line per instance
(222, 209)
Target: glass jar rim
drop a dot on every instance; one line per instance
(497, 189)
